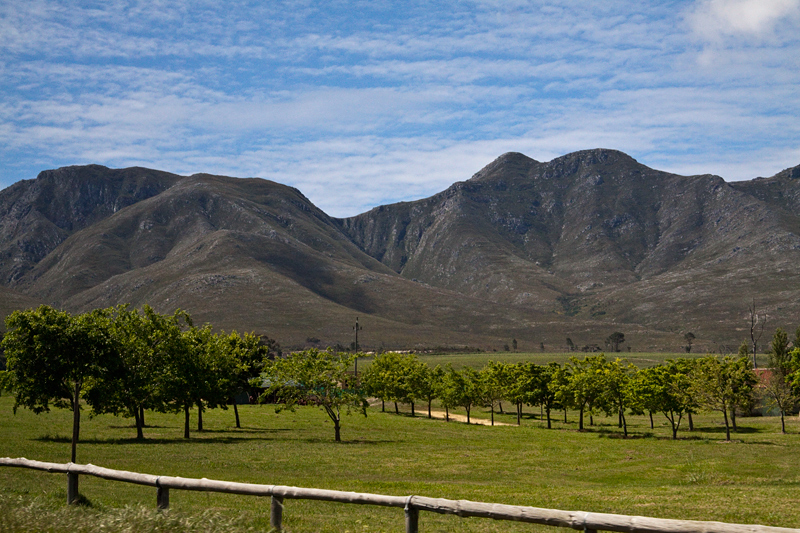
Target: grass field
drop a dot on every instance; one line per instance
(753, 479)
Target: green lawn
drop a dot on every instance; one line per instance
(753, 479)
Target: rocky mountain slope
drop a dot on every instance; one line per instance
(580, 246)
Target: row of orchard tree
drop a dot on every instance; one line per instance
(122, 361)
(677, 388)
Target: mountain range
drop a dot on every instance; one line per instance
(581, 246)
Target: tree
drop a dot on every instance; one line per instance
(583, 384)
(425, 383)
(664, 389)
(195, 373)
(387, 378)
(52, 357)
(777, 385)
(537, 385)
(616, 393)
(250, 355)
(615, 339)
(721, 384)
(142, 342)
(460, 389)
(689, 338)
(315, 377)
(495, 381)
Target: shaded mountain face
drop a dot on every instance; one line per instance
(38, 215)
(596, 234)
(581, 246)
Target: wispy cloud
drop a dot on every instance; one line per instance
(360, 103)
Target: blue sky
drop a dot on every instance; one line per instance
(358, 104)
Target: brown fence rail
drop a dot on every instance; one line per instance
(582, 521)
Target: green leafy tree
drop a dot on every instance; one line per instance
(425, 383)
(52, 358)
(663, 389)
(318, 378)
(387, 378)
(616, 392)
(537, 385)
(583, 384)
(778, 383)
(250, 355)
(495, 380)
(722, 384)
(460, 389)
(195, 374)
(142, 341)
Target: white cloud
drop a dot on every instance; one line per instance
(714, 19)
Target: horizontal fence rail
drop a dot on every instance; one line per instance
(580, 520)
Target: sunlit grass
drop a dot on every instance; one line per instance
(751, 480)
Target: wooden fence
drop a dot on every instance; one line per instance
(582, 521)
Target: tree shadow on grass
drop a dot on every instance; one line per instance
(196, 438)
(370, 442)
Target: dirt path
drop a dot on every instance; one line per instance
(463, 418)
(423, 413)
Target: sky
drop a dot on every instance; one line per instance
(359, 104)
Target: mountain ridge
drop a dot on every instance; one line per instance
(587, 243)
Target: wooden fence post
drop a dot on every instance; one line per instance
(412, 518)
(72, 488)
(276, 513)
(162, 499)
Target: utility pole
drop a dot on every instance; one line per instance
(357, 328)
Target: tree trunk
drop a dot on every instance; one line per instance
(519, 413)
(565, 415)
(236, 412)
(383, 406)
(492, 413)
(624, 425)
(783, 424)
(137, 415)
(548, 418)
(651, 419)
(591, 419)
(141, 415)
(727, 427)
(467, 414)
(619, 422)
(580, 420)
(429, 408)
(336, 429)
(500, 406)
(76, 420)
(200, 416)
(733, 418)
(186, 421)
(691, 422)
(447, 414)
(396, 409)
(412, 408)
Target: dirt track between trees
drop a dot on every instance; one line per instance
(423, 413)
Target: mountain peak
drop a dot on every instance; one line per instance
(506, 162)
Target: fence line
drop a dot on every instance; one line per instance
(412, 505)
